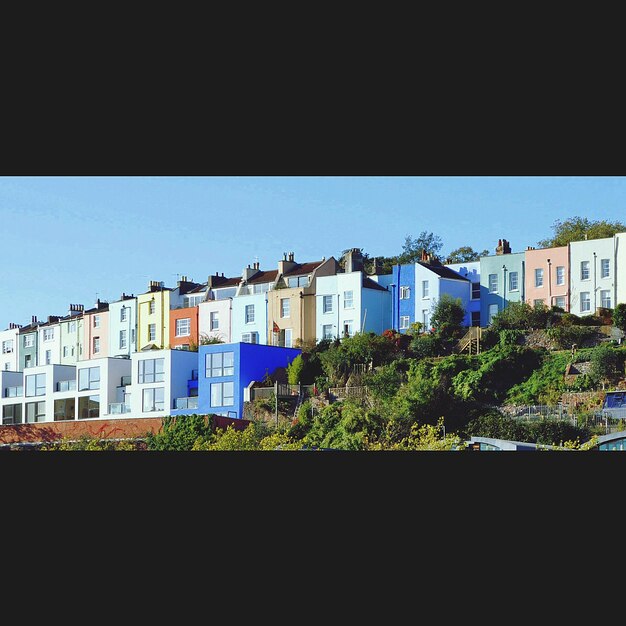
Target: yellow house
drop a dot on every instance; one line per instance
(153, 316)
(291, 304)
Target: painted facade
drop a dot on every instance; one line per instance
(471, 271)
(71, 332)
(9, 342)
(592, 275)
(123, 326)
(502, 281)
(96, 332)
(214, 319)
(226, 370)
(620, 263)
(249, 319)
(49, 342)
(153, 316)
(547, 277)
(28, 345)
(184, 328)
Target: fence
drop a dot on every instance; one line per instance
(338, 393)
(282, 391)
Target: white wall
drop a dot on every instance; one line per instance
(584, 251)
(222, 308)
(54, 344)
(10, 357)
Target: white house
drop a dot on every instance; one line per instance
(8, 348)
(49, 341)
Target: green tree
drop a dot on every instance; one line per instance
(619, 316)
(294, 370)
(412, 248)
(447, 316)
(607, 364)
(579, 229)
(180, 432)
(465, 254)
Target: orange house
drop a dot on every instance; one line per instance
(184, 328)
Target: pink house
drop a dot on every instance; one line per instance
(547, 277)
(96, 328)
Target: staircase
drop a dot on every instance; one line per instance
(470, 342)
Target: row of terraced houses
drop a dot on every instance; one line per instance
(144, 355)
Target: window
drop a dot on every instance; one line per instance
(215, 320)
(123, 339)
(151, 332)
(36, 385)
(287, 337)
(604, 268)
(347, 328)
(538, 303)
(249, 313)
(584, 270)
(585, 301)
(7, 365)
(153, 399)
(48, 334)
(493, 283)
(12, 414)
(220, 364)
(560, 302)
(96, 321)
(405, 292)
(262, 288)
(539, 277)
(88, 378)
(560, 275)
(327, 331)
(222, 394)
(66, 351)
(151, 306)
(96, 345)
(348, 300)
(48, 357)
(27, 360)
(7, 346)
(404, 321)
(151, 371)
(605, 298)
(425, 318)
(493, 311)
(64, 409)
(13, 392)
(183, 327)
(88, 406)
(513, 281)
(250, 337)
(123, 314)
(29, 341)
(285, 304)
(35, 411)
(424, 289)
(475, 291)
(475, 318)
(327, 304)
(72, 327)
(298, 281)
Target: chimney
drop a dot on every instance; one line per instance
(378, 266)
(33, 319)
(286, 264)
(249, 271)
(354, 260)
(425, 257)
(503, 247)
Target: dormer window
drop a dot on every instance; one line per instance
(298, 281)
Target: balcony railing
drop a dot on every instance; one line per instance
(13, 392)
(66, 385)
(125, 381)
(186, 403)
(117, 408)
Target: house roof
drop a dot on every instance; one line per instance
(223, 281)
(368, 283)
(303, 268)
(263, 277)
(103, 306)
(443, 271)
(198, 289)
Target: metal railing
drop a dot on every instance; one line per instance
(66, 385)
(126, 380)
(186, 403)
(13, 392)
(117, 408)
(338, 393)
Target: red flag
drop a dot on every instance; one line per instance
(276, 329)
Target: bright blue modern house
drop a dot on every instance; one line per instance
(226, 369)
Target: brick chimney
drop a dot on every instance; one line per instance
(287, 263)
(248, 271)
(503, 247)
(354, 260)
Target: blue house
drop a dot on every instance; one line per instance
(226, 369)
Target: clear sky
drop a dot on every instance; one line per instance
(69, 240)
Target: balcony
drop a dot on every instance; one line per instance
(117, 408)
(13, 392)
(125, 381)
(194, 375)
(186, 403)
(66, 385)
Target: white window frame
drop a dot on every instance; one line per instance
(151, 306)
(183, 330)
(584, 270)
(538, 277)
(96, 321)
(404, 322)
(605, 300)
(92, 378)
(218, 395)
(327, 304)
(348, 300)
(585, 299)
(490, 312)
(124, 314)
(252, 337)
(425, 289)
(605, 264)
(7, 346)
(475, 294)
(151, 332)
(123, 339)
(288, 334)
(149, 401)
(29, 341)
(350, 325)
(157, 375)
(285, 307)
(493, 283)
(513, 276)
(219, 364)
(327, 331)
(96, 345)
(214, 320)
(405, 292)
(249, 313)
(48, 334)
(66, 351)
(48, 357)
(558, 299)
(560, 274)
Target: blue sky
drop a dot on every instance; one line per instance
(74, 239)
